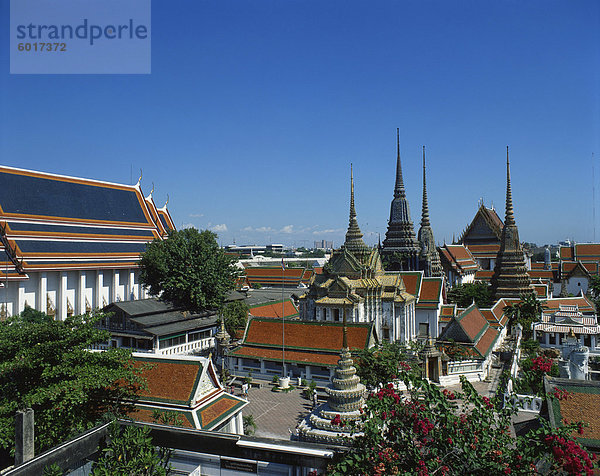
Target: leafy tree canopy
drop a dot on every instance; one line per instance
(594, 289)
(464, 294)
(379, 365)
(525, 312)
(45, 365)
(130, 450)
(235, 314)
(188, 269)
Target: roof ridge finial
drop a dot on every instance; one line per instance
(399, 188)
(509, 217)
(167, 202)
(140, 179)
(425, 211)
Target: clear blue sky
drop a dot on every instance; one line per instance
(255, 109)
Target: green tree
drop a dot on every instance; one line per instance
(464, 294)
(526, 312)
(379, 365)
(249, 424)
(129, 450)
(188, 269)
(235, 314)
(46, 365)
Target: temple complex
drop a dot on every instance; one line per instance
(429, 258)
(355, 279)
(510, 278)
(338, 420)
(400, 249)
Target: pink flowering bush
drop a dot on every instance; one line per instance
(428, 431)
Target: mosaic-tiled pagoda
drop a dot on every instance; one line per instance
(510, 278)
(429, 259)
(354, 279)
(338, 420)
(401, 248)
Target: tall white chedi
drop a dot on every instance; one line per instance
(338, 421)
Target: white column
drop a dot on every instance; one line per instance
(115, 286)
(130, 285)
(99, 286)
(81, 291)
(42, 298)
(21, 298)
(546, 338)
(240, 423)
(61, 311)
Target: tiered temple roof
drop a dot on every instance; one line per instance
(54, 222)
(400, 245)
(510, 277)
(186, 386)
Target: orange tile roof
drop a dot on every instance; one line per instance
(584, 395)
(306, 335)
(319, 358)
(584, 304)
(483, 275)
(540, 273)
(412, 281)
(430, 293)
(448, 310)
(487, 340)
(566, 252)
(146, 414)
(586, 251)
(274, 310)
(216, 409)
(472, 321)
(541, 290)
(172, 381)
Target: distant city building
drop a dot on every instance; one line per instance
(69, 245)
(324, 245)
(251, 249)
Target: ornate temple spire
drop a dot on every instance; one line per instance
(429, 258)
(425, 212)
(509, 218)
(400, 245)
(354, 241)
(510, 278)
(399, 186)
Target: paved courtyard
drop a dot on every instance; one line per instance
(276, 413)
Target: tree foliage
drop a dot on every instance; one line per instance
(594, 290)
(428, 431)
(235, 314)
(379, 365)
(464, 294)
(188, 269)
(129, 450)
(526, 312)
(46, 365)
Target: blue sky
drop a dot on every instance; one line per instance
(255, 109)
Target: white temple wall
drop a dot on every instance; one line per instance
(576, 284)
(429, 317)
(69, 290)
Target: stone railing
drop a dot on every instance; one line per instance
(528, 403)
